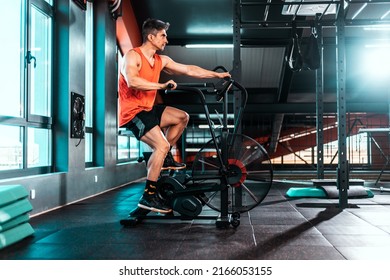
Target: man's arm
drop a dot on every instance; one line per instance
(130, 70)
(174, 68)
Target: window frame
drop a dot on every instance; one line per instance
(26, 119)
(89, 96)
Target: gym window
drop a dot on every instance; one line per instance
(128, 148)
(26, 95)
(89, 85)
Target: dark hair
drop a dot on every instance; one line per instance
(152, 26)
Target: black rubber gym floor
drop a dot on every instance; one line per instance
(280, 228)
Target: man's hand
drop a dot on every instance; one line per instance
(223, 75)
(171, 85)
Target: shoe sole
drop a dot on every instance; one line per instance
(173, 168)
(154, 209)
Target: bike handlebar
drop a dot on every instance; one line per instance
(220, 68)
(226, 86)
(227, 83)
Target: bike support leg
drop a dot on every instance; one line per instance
(223, 221)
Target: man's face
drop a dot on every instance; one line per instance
(159, 40)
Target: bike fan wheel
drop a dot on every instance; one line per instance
(249, 175)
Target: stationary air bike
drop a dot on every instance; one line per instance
(231, 173)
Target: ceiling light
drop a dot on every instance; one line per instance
(386, 14)
(359, 11)
(301, 9)
(384, 27)
(377, 62)
(209, 46)
(378, 46)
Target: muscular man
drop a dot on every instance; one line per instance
(138, 85)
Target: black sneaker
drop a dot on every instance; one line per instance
(170, 163)
(153, 203)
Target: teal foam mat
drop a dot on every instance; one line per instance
(15, 234)
(329, 192)
(14, 222)
(11, 193)
(306, 192)
(14, 210)
(370, 193)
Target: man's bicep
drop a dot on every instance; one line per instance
(131, 60)
(172, 67)
(131, 67)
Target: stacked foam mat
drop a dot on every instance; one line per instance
(327, 188)
(14, 218)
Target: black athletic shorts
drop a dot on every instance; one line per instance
(145, 121)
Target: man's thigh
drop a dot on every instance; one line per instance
(172, 116)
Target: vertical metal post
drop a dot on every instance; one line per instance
(237, 40)
(237, 77)
(388, 134)
(184, 146)
(343, 168)
(320, 105)
(236, 73)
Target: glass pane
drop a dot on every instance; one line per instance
(12, 49)
(134, 148)
(89, 65)
(41, 82)
(89, 81)
(123, 147)
(357, 149)
(88, 147)
(38, 147)
(11, 147)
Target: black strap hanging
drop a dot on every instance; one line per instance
(295, 61)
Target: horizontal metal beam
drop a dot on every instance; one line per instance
(244, 3)
(269, 24)
(291, 108)
(296, 108)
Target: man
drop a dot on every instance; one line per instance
(138, 85)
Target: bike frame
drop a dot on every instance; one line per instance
(222, 152)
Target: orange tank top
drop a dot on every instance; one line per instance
(133, 101)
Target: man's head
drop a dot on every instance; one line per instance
(153, 26)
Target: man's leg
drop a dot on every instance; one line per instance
(157, 141)
(160, 146)
(175, 121)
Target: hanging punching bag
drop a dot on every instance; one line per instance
(311, 54)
